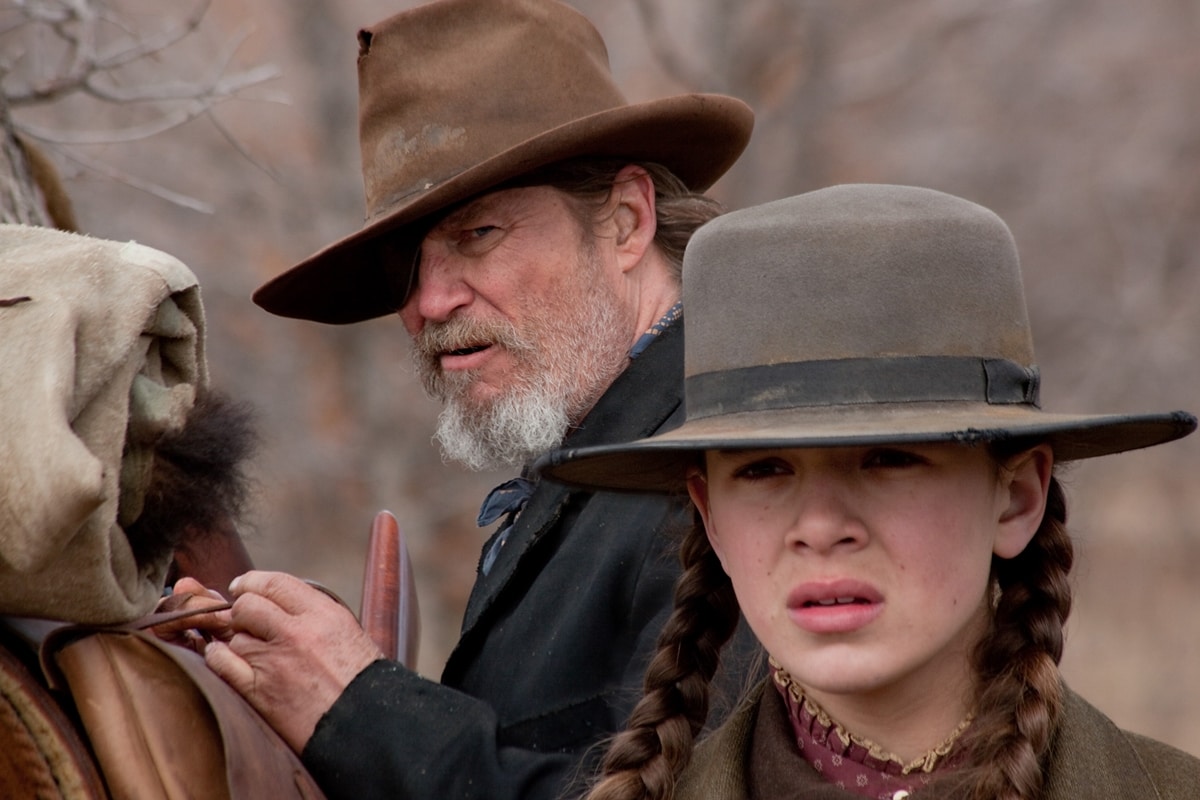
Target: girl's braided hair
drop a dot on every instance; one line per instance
(1020, 692)
(645, 759)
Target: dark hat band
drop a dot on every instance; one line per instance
(852, 381)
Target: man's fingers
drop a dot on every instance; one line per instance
(234, 669)
(292, 651)
(193, 598)
(258, 616)
(289, 593)
(193, 586)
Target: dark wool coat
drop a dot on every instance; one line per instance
(753, 755)
(554, 642)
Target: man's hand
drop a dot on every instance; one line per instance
(292, 652)
(195, 630)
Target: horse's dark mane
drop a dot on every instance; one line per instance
(199, 483)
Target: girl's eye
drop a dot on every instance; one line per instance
(758, 470)
(886, 458)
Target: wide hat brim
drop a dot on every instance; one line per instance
(696, 136)
(660, 463)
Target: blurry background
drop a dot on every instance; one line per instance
(1078, 121)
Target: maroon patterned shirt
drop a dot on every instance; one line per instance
(853, 763)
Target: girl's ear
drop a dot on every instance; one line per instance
(697, 486)
(1024, 485)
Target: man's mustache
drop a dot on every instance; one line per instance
(465, 333)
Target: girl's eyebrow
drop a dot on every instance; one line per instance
(739, 452)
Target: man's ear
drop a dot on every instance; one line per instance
(633, 215)
(697, 486)
(1024, 486)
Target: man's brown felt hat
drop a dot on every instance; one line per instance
(852, 316)
(459, 96)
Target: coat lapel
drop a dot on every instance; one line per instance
(639, 402)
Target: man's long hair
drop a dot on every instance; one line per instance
(678, 210)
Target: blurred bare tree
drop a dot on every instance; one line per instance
(113, 53)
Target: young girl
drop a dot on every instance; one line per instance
(874, 477)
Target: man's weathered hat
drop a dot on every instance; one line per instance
(457, 97)
(851, 316)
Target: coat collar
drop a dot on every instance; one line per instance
(1091, 757)
(639, 402)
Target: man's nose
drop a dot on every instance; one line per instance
(440, 290)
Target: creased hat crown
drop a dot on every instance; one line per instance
(855, 272)
(417, 71)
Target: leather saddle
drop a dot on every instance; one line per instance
(114, 712)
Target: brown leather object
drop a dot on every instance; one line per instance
(41, 753)
(163, 725)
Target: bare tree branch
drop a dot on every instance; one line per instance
(233, 142)
(77, 24)
(115, 174)
(85, 48)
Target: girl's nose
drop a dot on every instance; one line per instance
(825, 517)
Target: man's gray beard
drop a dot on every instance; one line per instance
(562, 379)
(513, 430)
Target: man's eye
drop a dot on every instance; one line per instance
(477, 240)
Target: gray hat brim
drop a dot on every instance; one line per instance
(660, 463)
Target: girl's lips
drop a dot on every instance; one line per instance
(840, 606)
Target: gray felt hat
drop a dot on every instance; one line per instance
(849, 316)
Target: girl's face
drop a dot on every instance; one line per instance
(865, 570)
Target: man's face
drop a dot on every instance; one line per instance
(517, 324)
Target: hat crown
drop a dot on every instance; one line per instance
(854, 272)
(447, 85)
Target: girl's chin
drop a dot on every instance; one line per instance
(844, 674)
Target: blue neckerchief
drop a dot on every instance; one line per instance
(664, 322)
(506, 500)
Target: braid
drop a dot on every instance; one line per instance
(646, 758)
(1020, 697)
